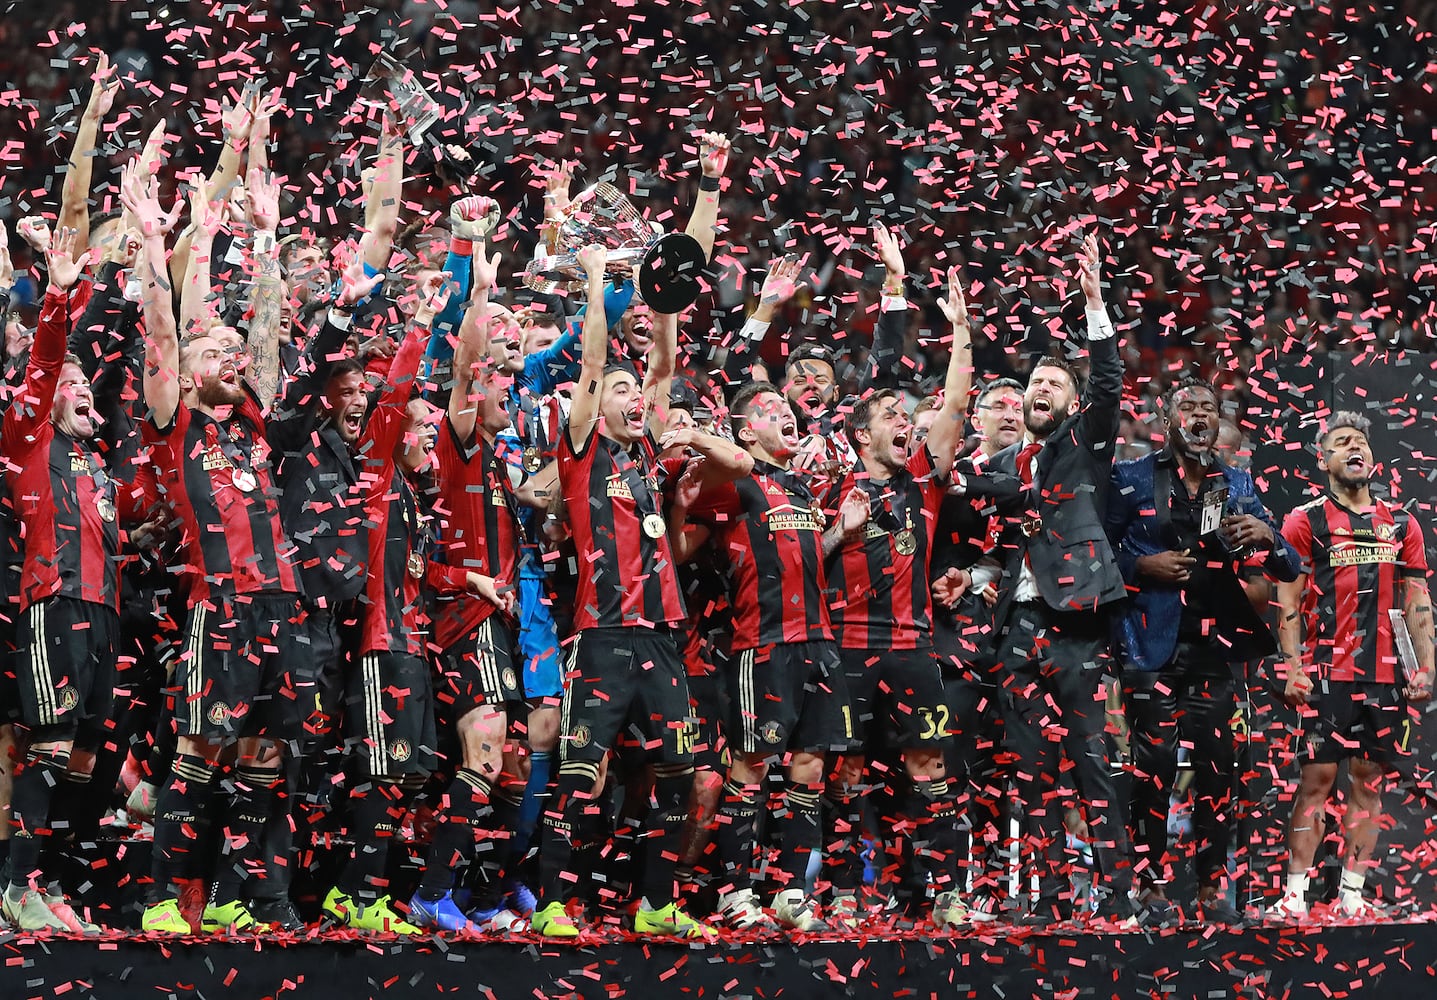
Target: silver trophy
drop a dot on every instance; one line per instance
(667, 264)
(394, 87)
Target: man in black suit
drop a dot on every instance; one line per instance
(1059, 580)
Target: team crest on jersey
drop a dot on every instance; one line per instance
(399, 750)
(69, 699)
(1385, 532)
(618, 487)
(580, 736)
(219, 713)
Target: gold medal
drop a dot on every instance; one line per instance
(105, 508)
(905, 542)
(244, 481)
(532, 459)
(416, 565)
(654, 526)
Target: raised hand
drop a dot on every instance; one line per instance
(107, 85)
(354, 285)
(7, 267)
(853, 513)
(885, 246)
(592, 259)
(35, 231)
(557, 181)
(124, 248)
(139, 192)
(474, 217)
(237, 118)
(206, 216)
(781, 284)
(263, 200)
(955, 305)
(714, 149)
(485, 271)
(690, 484)
(153, 153)
(63, 267)
(433, 296)
(1090, 261)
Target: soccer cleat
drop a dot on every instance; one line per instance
(949, 910)
(26, 910)
(501, 920)
(844, 912)
(521, 899)
(1360, 909)
(985, 909)
(794, 910)
(1290, 907)
(165, 918)
(670, 921)
(377, 917)
(140, 806)
(65, 913)
(553, 921)
(275, 915)
(227, 919)
(740, 910)
(441, 914)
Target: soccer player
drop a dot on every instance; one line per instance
(786, 683)
(882, 612)
(1362, 557)
(211, 461)
(68, 505)
(624, 664)
(389, 697)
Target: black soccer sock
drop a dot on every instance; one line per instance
(242, 855)
(464, 807)
(559, 837)
(494, 853)
(799, 831)
(182, 817)
(31, 796)
(842, 815)
(672, 784)
(736, 834)
(376, 809)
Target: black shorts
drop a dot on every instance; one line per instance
(792, 696)
(234, 678)
(479, 670)
(709, 706)
(896, 698)
(1359, 719)
(618, 677)
(65, 668)
(330, 638)
(389, 715)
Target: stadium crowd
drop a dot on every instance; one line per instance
(792, 604)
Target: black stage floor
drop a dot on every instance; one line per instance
(1331, 962)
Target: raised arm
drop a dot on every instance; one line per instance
(721, 461)
(947, 429)
(386, 423)
(885, 360)
(779, 285)
(264, 368)
(659, 373)
(138, 191)
(196, 305)
(473, 346)
(75, 193)
(713, 160)
(584, 400)
(1103, 404)
(47, 355)
(381, 208)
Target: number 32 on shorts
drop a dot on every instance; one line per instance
(935, 723)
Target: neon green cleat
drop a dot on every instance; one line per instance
(553, 921)
(670, 921)
(165, 918)
(378, 917)
(226, 919)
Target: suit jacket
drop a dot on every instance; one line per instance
(1140, 524)
(1070, 555)
(321, 506)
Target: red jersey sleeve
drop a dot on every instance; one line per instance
(36, 398)
(1413, 563)
(1297, 529)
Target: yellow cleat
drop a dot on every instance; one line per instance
(378, 917)
(553, 921)
(165, 918)
(226, 919)
(670, 921)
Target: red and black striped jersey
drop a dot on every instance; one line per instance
(625, 565)
(771, 531)
(216, 477)
(479, 532)
(66, 502)
(878, 581)
(392, 615)
(1354, 561)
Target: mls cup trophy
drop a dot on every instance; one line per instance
(395, 88)
(667, 264)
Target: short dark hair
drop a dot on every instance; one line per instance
(1185, 384)
(997, 384)
(863, 409)
(808, 352)
(742, 402)
(1343, 419)
(927, 403)
(345, 366)
(1057, 361)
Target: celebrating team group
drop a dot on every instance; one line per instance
(640, 625)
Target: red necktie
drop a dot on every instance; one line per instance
(1025, 463)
